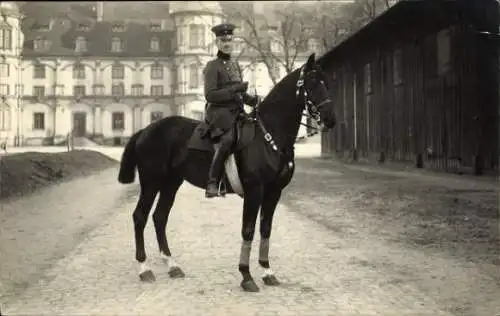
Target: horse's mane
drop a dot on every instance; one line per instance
(276, 95)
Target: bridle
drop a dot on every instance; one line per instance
(314, 110)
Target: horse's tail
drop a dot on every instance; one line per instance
(128, 161)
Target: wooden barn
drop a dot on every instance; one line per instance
(420, 84)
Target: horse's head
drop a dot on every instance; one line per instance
(313, 85)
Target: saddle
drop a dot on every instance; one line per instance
(250, 160)
(245, 130)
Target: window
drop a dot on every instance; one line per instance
(80, 44)
(79, 91)
(4, 89)
(137, 89)
(118, 121)
(197, 115)
(397, 64)
(78, 71)
(443, 51)
(196, 36)
(156, 71)
(39, 72)
(4, 117)
(40, 43)
(368, 78)
(5, 38)
(118, 27)
(157, 90)
(42, 27)
(38, 91)
(83, 28)
(155, 27)
(156, 115)
(154, 44)
(117, 90)
(117, 72)
(98, 89)
(194, 76)
(4, 70)
(116, 45)
(38, 121)
(314, 45)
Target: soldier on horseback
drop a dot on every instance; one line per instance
(226, 94)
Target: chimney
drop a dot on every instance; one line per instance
(100, 10)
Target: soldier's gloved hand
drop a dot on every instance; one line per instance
(241, 87)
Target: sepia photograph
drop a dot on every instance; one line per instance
(234, 158)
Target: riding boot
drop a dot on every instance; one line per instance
(214, 173)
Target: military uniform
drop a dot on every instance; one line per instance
(226, 94)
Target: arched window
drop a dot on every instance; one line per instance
(40, 43)
(116, 45)
(80, 44)
(154, 44)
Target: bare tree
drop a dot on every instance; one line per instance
(362, 12)
(328, 22)
(275, 36)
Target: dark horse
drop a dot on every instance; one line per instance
(164, 160)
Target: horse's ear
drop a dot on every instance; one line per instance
(311, 61)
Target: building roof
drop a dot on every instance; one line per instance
(64, 32)
(133, 10)
(211, 7)
(411, 12)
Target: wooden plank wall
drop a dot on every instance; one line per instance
(429, 113)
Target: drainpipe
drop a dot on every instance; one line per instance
(18, 87)
(355, 108)
(56, 67)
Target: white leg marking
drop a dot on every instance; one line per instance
(143, 267)
(169, 261)
(268, 272)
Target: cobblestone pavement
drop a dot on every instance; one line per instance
(334, 269)
(37, 230)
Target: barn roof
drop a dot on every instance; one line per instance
(413, 12)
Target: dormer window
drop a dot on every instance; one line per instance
(154, 44)
(116, 45)
(40, 44)
(42, 26)
(80, 44)
(118, 27)
(155, 27)
(83, 28)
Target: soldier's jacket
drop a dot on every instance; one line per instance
(223, 103)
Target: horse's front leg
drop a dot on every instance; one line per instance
(269, 202)
(251, 205)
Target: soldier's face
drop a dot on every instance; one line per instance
(225, 45)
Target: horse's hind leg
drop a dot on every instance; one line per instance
(160, 218)
(140, 216)
(269, 202)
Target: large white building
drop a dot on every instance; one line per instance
(104, 80)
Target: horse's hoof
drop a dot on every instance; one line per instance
(270, 280)
(147, 276)
(249, 286)
(176, 273)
